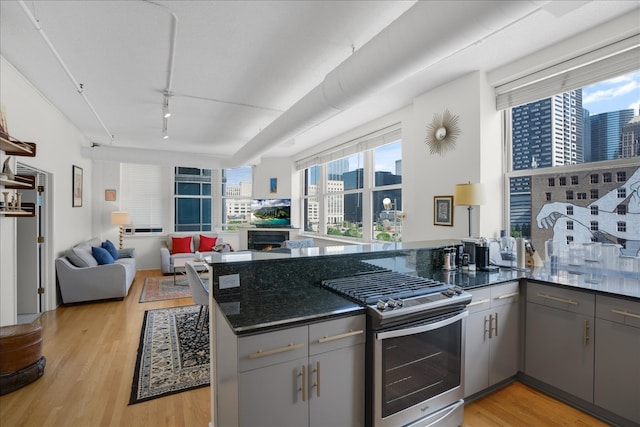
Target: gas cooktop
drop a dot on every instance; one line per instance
(389, 294)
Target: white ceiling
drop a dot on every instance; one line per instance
(239, 65)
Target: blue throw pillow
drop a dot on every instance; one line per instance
(111, 248)
(102, 255)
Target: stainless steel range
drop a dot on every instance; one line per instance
(415, 348)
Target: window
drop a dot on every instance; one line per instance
(236, 191)
(569, 210)
(621, 209)
(343, 196)
(594, 210)
(593, 225)
(622, 226)
(621, 176)
(145, 195)
(569, 195)
(547, 197)
(569, 225)
(192, 199)
(622, 193)
(562, 128)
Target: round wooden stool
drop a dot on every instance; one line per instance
(21, 360)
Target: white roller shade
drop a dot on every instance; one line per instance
(370, 141)
(601, 64)
(144, 194)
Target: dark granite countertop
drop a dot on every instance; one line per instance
(262, 311)
(283, 289)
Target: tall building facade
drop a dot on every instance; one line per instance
(548, 132)
(606, 134)
(630, 139)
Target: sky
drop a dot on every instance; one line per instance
(616, 94)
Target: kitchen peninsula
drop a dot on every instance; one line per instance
(267, 329)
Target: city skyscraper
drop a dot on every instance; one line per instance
(548, 132)
(606, 134)
(630, 139)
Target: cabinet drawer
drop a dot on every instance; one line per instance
(272, 347)
(618, 310)
(335, 334)
(507, 293)
(480, 300)
(562, 298)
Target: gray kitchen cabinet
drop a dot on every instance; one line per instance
(559, 338)
(492, 337)
(617, 352)
(311, 375)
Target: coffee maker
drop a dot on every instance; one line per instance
(478, 250)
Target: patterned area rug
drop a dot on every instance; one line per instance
(172, 357)
(162, 288)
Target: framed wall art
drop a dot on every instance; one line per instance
(273, 185)
(110, 195)
(77, 186)
(443, 210)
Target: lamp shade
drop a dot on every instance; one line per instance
(120, 218)
(469, 195)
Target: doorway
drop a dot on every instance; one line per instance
(34, 266)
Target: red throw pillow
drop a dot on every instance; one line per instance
(181, 245)
(206, 243)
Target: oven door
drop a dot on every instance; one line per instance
(418, 369)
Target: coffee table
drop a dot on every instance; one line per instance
(179, 266)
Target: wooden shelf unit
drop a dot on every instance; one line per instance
(22, 182)
(13, 147)
(27, 210)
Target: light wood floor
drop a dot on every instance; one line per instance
(91, 351)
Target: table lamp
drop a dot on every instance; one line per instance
(120, 218)
(469, 195)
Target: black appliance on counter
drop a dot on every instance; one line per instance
(415, 347)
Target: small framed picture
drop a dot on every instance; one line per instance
(273, 185)
(443, 210)
(77, 187)
(110, 195)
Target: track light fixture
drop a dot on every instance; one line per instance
(165, 108)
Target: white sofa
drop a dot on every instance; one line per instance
(167, 257)
(81, 278)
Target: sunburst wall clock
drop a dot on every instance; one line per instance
(442, 133)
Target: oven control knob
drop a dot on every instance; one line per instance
(381, 305)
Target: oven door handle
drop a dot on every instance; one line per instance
(422, 328)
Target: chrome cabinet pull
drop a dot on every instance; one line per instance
(586, 333)
(480, 301)
(552, 298)
(261, 353)
(625, 313)
(339, 337)
(490, 326)
(511, 295)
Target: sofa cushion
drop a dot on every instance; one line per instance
(82, 256)
(111, 248)
(206, 243)
(181, 245)
(102, 255)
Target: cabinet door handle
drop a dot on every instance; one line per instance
(586, 333)
(317, 384)
(625, 313)
(480, 301)
(496, 328)
(511, 295)
(339, 337)
(303, 389)
(486, 331)
(552, 298)
(261, 353)
(490, 326)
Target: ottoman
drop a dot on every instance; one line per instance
(21, 360)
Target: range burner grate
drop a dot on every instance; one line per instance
(370, 288)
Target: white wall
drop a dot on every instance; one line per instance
(31, 117)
